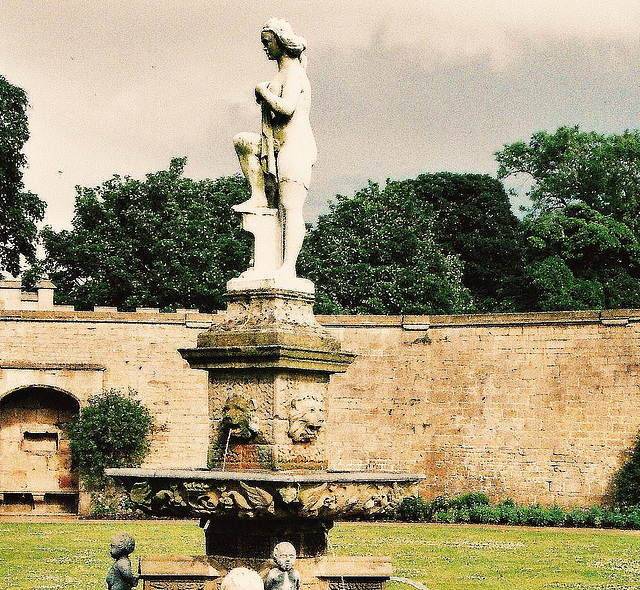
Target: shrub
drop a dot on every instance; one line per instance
(556, 516)
(484, 514)
(112, 504)
(626, 485)
(113, 430)
(577, 517)
(448, 516)
(537, 515)
(595, 516)
(475, 508)
(439, 503)
(414, 509)
(470, 499)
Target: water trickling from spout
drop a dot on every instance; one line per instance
(226, 450)
(343, 585)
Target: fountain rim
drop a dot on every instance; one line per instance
(278, 477)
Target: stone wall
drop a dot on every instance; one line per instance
(83, 352)
(537, 407)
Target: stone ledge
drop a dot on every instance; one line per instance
(30, 365)
(279, 477)
(267, 357)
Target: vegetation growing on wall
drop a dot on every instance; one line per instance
(626, 491)
(113, 430)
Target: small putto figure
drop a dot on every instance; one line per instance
(284, 576)
(120, 576)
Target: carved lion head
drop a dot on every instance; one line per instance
(306, 417)
(238, 417)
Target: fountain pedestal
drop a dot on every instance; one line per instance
(269, 364)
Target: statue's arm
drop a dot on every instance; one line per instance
(125, 572)
(269, 581)
(287, 103)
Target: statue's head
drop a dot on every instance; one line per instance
(291, 43)
(284, 555)
(242, 578)
(121, 544)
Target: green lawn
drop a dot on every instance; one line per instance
(74, 554)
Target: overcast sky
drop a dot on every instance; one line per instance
(399, 88)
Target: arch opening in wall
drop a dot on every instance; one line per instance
(35, 472)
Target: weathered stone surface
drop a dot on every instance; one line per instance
(278, 495)
(561, 407)
(268, 350)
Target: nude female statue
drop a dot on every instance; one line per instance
(277, 163)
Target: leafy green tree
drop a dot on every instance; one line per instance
(601, 171)
(473, 220)
(113, 430)
(166, 241)
(376, 252)
(20, 211)
(578, 258)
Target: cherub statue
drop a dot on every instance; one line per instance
(120, 576)
(284, 576)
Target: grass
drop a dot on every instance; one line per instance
(74, 554)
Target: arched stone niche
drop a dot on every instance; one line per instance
(35, 472)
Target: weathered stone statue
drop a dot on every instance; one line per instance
(120, 576)
(277, 163)
(284, 576)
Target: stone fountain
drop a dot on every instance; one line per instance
(269, 364)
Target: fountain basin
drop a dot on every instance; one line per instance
(281, 494)
(245, 513)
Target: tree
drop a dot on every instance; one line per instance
(473, 220)
(20, 211)
(602, 171)
(113, 430)
(166, 241)
(376, 253)
(578, 258)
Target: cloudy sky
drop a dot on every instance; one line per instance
(400, 88)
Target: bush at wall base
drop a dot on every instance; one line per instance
(473, 508)
(113, 430)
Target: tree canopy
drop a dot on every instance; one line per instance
(473, 220)
(581, 246)
(376, 253)
(602, 171)
(166, 241)
(439, 243)
(578, 258)
(436, 244)
(20, 211)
